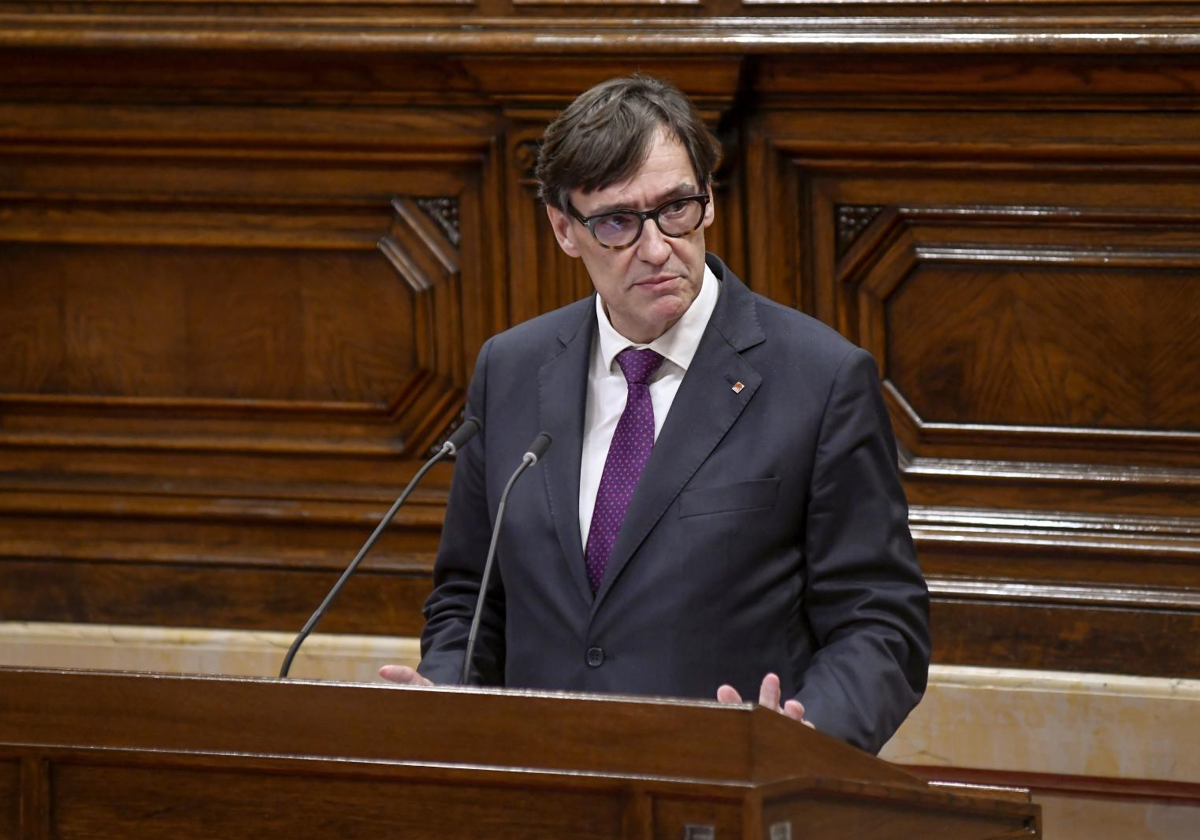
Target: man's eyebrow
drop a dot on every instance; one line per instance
(663, 198)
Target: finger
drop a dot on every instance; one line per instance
(728, 694)
(403, 675)
(795, 710)
(769, 693)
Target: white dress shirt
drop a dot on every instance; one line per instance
(607, 389)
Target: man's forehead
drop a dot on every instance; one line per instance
(665, 173)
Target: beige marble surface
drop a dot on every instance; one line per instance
(1087, 818)
(1055, 722)
(173, 650)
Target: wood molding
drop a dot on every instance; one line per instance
(926, 34)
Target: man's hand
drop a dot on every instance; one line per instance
(403, 675)
(769, 695)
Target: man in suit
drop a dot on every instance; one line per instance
(719, 513)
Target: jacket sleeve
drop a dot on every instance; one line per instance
(865, 598)
(458, 569)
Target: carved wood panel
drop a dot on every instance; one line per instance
(1031, 301)
(995, 333)
(226, 338)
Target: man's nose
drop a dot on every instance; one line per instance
(653, 247)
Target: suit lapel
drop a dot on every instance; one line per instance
(562, 397)
(705, 408)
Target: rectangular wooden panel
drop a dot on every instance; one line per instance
(199, 322)
(99, 801)
(183, 595)
(682, 818)
(1031, 344)
(10, 799)
(831, 818)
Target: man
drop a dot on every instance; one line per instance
(719, 513)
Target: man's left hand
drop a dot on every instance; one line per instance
(769, 695)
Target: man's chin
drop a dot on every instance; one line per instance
(668, 310)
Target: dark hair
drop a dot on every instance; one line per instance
(604, 136)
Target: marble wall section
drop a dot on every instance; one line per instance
(236, 653)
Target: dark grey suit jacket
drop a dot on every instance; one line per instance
(769, 531)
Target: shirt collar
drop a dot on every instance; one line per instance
(678, 344)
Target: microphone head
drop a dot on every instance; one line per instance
(539, 446)
(462, 435)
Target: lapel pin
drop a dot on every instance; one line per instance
(737, 387)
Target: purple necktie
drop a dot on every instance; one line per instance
(627, 454)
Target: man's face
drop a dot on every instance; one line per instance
(649, 285)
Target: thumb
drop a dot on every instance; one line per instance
(403, 675)
(728, 694)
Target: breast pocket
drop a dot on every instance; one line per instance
(744, 495)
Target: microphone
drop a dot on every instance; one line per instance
(461, 436)
(532, 455)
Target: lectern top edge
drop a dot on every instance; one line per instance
(560, 732)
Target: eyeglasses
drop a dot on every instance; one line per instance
(621, 228)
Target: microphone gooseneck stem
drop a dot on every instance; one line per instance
(528, 461)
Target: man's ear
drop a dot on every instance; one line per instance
(564, 230)
(710, 210)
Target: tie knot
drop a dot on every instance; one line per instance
(638, 365)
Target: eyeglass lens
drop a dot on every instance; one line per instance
(674, 219)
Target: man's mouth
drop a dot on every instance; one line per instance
(656, 280)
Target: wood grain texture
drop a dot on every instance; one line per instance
(220, 324)
(837, 815)
(10, 799)
(458, 728)
(113, 802)
(1004, 345)
(1096, 638)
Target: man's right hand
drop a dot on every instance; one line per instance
(403, 675)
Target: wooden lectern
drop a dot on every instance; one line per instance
(87, 754)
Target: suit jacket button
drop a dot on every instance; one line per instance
(595, 657)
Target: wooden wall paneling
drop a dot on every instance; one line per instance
(155, 555)
(1037, 354)
(986, 336)
(776, 243)
(1023, 631)
(307, 301)
(345, 363)
(543, 277)
(726, 237)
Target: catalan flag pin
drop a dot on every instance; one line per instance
(737, 387)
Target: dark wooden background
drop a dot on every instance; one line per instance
(248, 252)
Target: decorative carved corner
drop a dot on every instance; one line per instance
(444, 213)
(851, 221)
(525, 155)
(422, 244)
